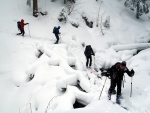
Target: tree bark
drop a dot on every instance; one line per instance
(35, 8)
(64, 1)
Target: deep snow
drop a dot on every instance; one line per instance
(53, 71)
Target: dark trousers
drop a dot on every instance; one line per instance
(22, 32)
(113, 83)
(87, 60)
(57, 37)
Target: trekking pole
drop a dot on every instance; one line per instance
(102, 89)
(123, 81)
(131, 88)
(94, 62)
(29, 31)
(59, 38)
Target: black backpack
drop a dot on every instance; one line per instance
(87, 51)
(19, 25)
(54, 30)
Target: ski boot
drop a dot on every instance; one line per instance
(109, 95)
(118, 99)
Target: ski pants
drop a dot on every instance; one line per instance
(113, 83)
(87, 60)
(22, 32)
(57, 37)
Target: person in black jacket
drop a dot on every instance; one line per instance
(116, 73)
(88, 53)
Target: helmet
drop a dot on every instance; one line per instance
(58, 27)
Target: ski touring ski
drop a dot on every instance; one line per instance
(118, 102)
(120, 105)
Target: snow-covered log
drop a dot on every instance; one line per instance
(138, 46)
(73, 80)
(66, 101)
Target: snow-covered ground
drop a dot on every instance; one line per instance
(32, 84)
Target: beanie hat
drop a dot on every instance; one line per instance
(124, 63)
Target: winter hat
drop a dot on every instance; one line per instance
(124, 63)
(22, 20)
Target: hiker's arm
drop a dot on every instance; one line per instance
(130, 73)
(92, 52)
(59, 32)
(26, 23)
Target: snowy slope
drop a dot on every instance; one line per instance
(53, 71)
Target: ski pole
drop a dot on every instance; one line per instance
(59, 37)
(123, 81)
(131, 88)
(94, 62)
(102, 89)
(29, 31)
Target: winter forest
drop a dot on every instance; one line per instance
(69, 56)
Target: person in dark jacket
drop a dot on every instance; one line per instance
(57, 34)
(22, 24)
(88, 53)
(116, 73)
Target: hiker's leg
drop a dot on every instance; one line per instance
(112, 85)
(23, 32)
(87, 61)
(57, 37)
(19, 33)
(90, 60)
(119, 87)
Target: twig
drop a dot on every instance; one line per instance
(30, 108)
(50, 102)
(98, 14)
(102, 23)
(146, 111)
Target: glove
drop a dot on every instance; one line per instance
(105, 74)
(27, 23)
(132, 73)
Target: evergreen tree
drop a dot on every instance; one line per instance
(63, 15)
(141, 6)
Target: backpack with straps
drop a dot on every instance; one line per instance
(54, 30)
(19, 25)
(88, 51)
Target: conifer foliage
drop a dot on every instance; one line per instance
(140, 6)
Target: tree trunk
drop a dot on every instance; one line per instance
(64, 1)
(35, 8)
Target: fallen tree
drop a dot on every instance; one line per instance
(137, 46)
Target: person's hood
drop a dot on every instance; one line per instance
(22, 20)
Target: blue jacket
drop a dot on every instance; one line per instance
(57, 30)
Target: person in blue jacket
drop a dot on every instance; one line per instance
(56, 32)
